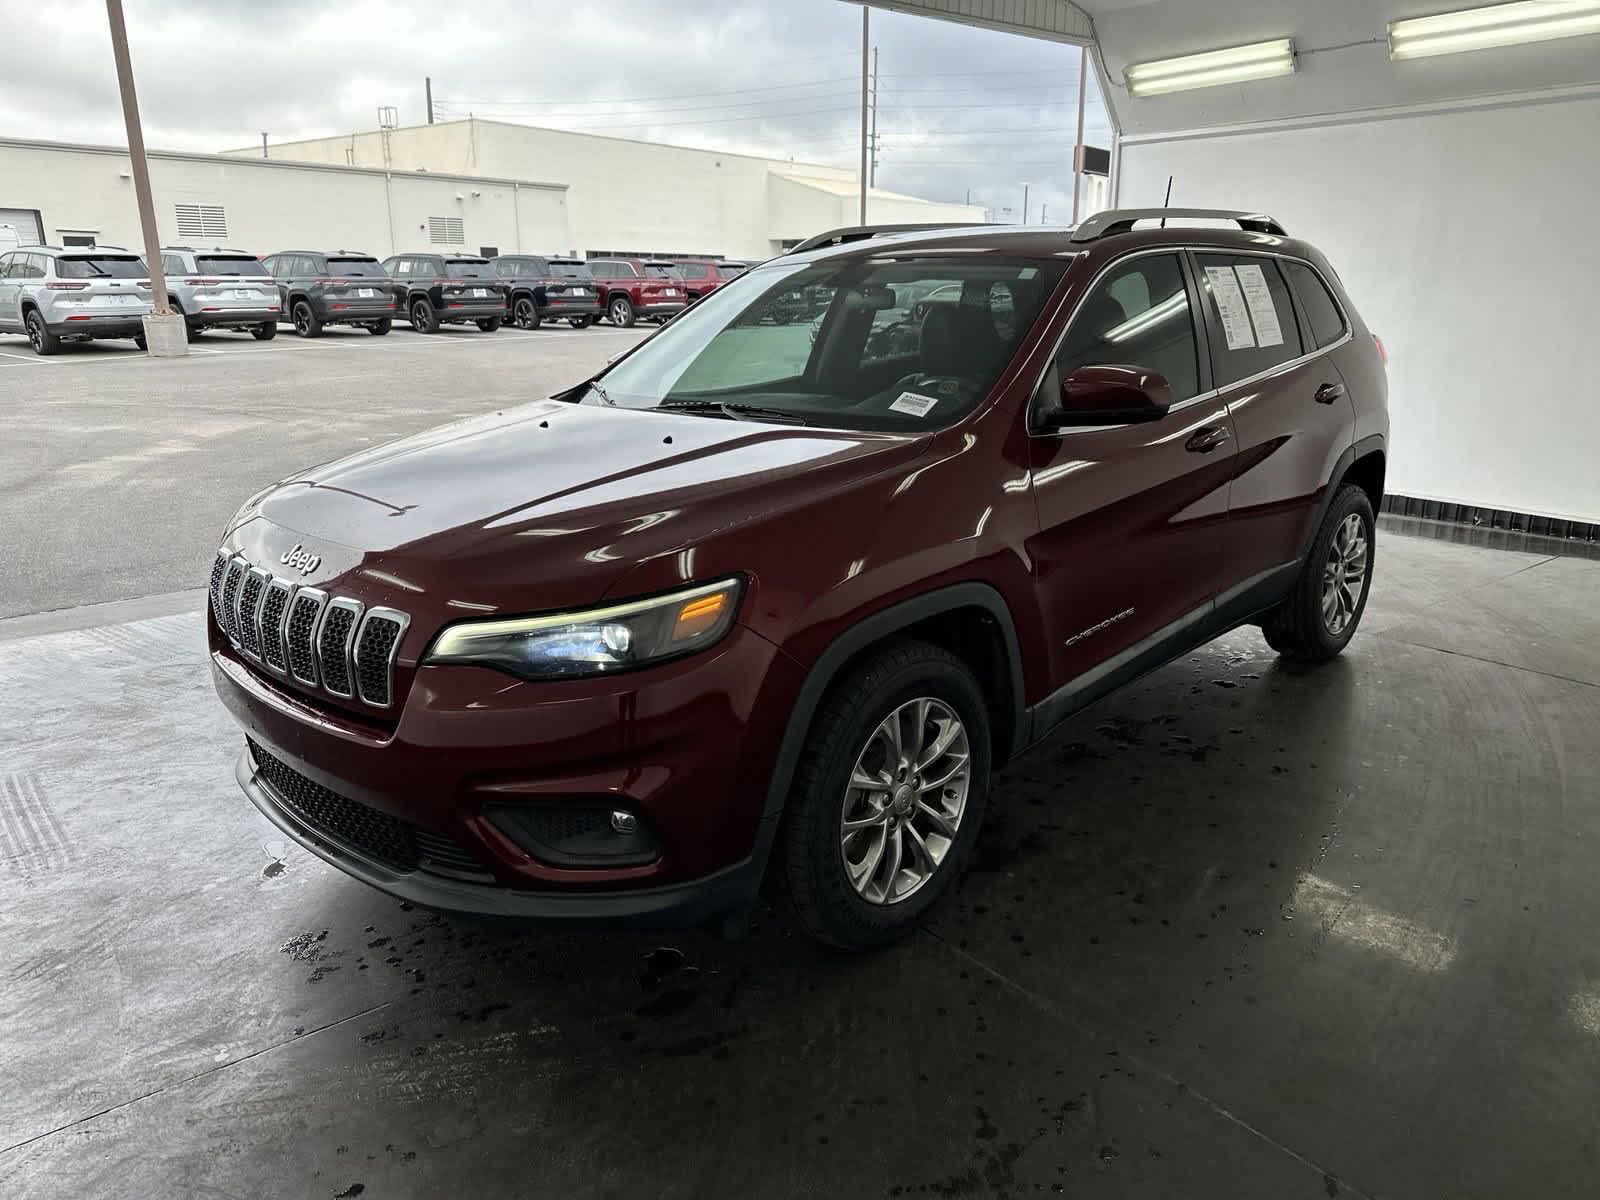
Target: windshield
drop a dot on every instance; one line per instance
(850, 345)
(468, 269)
(228, 264)
(102, 267)
(571, 270)
(363, 268)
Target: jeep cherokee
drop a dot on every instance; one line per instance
(770, 603)
(434, 290)
(544, 290)
(637, 287)
(221, 289)
(343, 288)
(57, 295)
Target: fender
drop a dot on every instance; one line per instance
(1355, 450)
(864, 633)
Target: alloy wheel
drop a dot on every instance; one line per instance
(35, 334)
(905, 800)
(524, 314)
(302, 320)
(1344, 575)
(619, 312)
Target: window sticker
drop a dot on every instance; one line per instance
(1231, 307)
(1263, 312)
(915, 405)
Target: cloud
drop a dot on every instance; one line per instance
(959, 108)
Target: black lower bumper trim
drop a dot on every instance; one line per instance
(696, 902)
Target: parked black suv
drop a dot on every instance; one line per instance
(447, 289)
(543, 290)
(344, 287)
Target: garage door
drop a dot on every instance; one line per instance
(30, 231)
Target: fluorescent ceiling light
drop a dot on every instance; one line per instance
(1496, 25)
(1234, 65)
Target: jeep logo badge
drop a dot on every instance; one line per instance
(300, 559)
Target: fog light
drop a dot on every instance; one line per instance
(573, 833)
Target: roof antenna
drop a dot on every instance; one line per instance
(1167, 203)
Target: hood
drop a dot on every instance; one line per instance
(546, 505)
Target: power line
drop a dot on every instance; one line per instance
(777, 87)
(648, 124)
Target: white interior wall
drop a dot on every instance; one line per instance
(1467, 240)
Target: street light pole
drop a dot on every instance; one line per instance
(1024, 202)
(159, 333)
(866, 66)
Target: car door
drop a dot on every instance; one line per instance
(10, 309)
(1290, 412)
(1133, 517)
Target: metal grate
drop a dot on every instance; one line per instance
(205, 221)
(374, 655)
(275, 604)
(447, 231)
(219, 569)
(255, 582)
(333, 645)
(445, 856)
(228, 618)
(304, 611)
(375, 834)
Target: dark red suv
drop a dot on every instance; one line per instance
(770, 601)
(638, 287)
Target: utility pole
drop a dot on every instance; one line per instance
(427, 82)
(866, 60)
(165, 335)
(1044, 211)
(263, 143)
(1024, 201)
(874, 174)
(1077, 151)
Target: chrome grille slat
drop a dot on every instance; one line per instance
(375, 644)
(229, 617)
(334, 643)
(336, 635)
(274, 620)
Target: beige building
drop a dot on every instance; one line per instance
(633, 197)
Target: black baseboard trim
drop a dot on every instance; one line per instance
(1491, 518)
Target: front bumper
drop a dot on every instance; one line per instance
(694, 902)
(688, 745)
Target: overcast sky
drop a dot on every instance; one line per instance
(959, 108)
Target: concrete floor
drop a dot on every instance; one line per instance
(1241, 930)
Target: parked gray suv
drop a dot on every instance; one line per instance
(221, 289)
(74, 294)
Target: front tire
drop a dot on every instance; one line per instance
(887, 798)
(41, 339)
(1319, 616)
(306, 322)
(621, 313)
(423, 319)
(265, 332)
(489, 324)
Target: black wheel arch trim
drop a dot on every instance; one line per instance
(878, 627)
(1353, 453)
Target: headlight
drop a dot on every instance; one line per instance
(596, 642)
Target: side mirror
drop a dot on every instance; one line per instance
(1111, 395)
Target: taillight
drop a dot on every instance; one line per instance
(66, 287)
(1383, 351)
(202, 282)
(332, 282)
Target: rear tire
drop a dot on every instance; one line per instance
(870, 884)
(265, 332)
(306, 322)
(489, 324)
(140, 341)
(580, 322)
(379, 328)
(1317, 619)
(621, 312)
(525, 313)
(41, 339)
(422, 317)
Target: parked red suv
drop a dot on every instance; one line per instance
(638, 287)
(772, 601)
(702, 277)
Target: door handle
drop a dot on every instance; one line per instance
(1206, 440)
(1328, 393)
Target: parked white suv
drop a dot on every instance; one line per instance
(75, 294)
(218, 288)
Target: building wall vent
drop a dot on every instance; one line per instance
(446, 231)
(208, 222)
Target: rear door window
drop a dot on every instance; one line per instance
(1138, 315)
(1250, 319)
(1321, 310)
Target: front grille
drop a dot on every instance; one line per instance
(390, 840)
(375, 834)
(336, 643)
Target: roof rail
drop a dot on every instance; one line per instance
(860, 233)
(1121, 220)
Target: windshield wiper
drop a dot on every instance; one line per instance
(734, 412)
(605, 396)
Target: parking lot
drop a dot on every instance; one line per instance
(150, 456)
